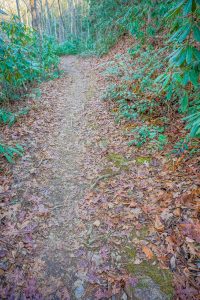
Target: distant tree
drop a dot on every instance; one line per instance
(34, 14)
(18, 9)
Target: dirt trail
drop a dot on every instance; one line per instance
(66, 182)
(78, 233)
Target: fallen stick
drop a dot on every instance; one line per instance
(103, 177)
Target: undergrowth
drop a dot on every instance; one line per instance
(159, 79)
(26, 58)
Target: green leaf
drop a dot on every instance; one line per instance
(9, 158)
(186, 78)
(185, 33)
(196, 33)
(184, 103)
(19, 147)
(165, 83)
(196, 53)
(160, 78)
(181, 59)
(194, 77)
(189, 55)
(194, 5)
(187, 8)
(162, 138)
(174, 11)
(175, 54)
(195, 131)
(177, 77)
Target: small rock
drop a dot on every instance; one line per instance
(166, 215)
(4, 265)
(136, 211)
(148, 290)
(137, 261)
(79, 292)
(124, 297)
(3, 252)
(97, 259)
(33, 171)
(173, 263)
(189, 240)
(97, 223)
(77, 283)
(110, 205)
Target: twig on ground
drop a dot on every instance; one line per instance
(103, 177)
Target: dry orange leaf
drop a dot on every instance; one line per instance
(133, 204)
(147, 252)
(177, 212)
(158, 224)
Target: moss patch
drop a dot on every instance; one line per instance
(131, 252)
(90, 93)
(161, 277)
(117, 159)
(142, 160)
(106, 171)
(142, 233)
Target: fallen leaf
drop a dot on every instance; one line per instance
(133, 204)
(2, 272)
(177, 212)
(147, 252)
(189, 240)
(158, 224)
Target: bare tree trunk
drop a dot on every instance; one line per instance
(18, 9)
(74, 18)
(70, 8)
(60, 13)
(34, 14)
(41, 18)
(55, 28)
(48, 17)
(61, 22)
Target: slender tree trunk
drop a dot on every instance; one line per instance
(61, 22)
(34, 14)
(41, 17)
(48, 17)
(18, 9)
(70, 8)
(55, 28)
(60, 13)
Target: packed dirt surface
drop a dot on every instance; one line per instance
(65, 179)
(79, 225)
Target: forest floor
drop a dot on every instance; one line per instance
(88, 217)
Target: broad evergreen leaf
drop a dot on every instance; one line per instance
(187, 8)
(184, 103)
(174, 11)
(186, 78)
(189, 55)
(181, 59)
(196, 54)
(194, 77)
(185, 33)
(196, 32)
(9, 158)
